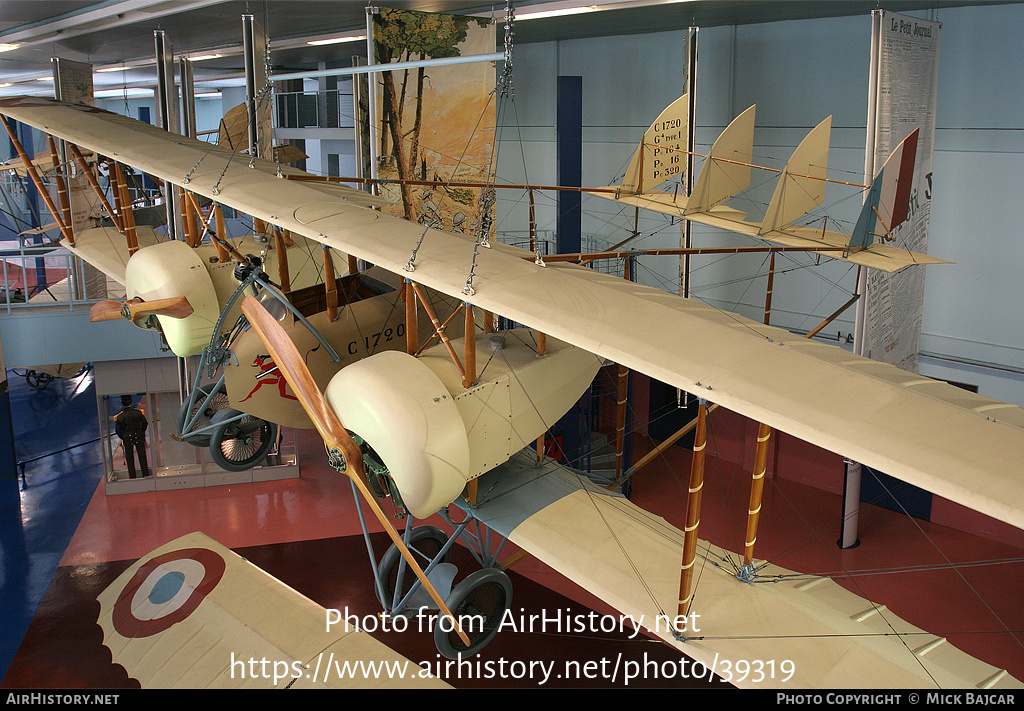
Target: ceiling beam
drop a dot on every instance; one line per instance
(96, 17)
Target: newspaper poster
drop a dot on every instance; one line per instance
(904, 97)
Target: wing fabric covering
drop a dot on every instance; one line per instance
(801, 188)
(726, 170)
(661, 156)
(631, 559)
(965, 448)
(888, 203)
(192, 613)
(105, 249)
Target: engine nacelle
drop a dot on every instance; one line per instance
(433, 434)
(404, 411)
(170, 269)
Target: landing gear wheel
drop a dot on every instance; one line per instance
(242, 444)
(425, 543)
(218, 403)
(478, 603)
(37, 380)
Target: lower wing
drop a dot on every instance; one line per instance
(193, 614)
(819, 634)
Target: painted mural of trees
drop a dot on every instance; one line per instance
(401, 36)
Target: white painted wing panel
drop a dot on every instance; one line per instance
(769, 375)
(726, 170)
(631, 558)
(661, 156)
(192, 613)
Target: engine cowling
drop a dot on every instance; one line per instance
(407, 415)
(434, 435)
(170, 269)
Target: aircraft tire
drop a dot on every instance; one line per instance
(425, 542)
(240, 445)
(38, 380)
(219, 402)
(486, 593)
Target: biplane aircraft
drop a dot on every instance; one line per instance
(436, 433)
(189, 290)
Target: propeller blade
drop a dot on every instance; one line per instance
(105, 311)
(334, 434)
(176, 307)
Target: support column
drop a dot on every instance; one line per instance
(8, 457)
(691, 93)
(167, 119)
(412, 328)
(254, 45)
(764, 433)
(469, 354)
(371, 95)
(851, 506)
(188, 97)
(330, 284)
(851, 485)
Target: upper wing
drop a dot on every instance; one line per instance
(631, 559)
(192, 614)
(960, 446)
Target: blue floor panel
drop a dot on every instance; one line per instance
(55, 433)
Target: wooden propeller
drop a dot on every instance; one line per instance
(334, 434)
(177, 307)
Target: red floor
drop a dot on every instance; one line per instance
(304, 531)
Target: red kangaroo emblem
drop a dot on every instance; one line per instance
(268, 375)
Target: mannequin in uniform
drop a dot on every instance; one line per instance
(130, 425)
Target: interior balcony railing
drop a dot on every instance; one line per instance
(329, 108)
(47, 276)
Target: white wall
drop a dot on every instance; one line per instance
(798, 73)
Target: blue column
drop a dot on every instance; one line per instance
(569, 137)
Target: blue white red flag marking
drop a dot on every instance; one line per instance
(166, 590)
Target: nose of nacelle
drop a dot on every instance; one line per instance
(406, 414)
(172, 269)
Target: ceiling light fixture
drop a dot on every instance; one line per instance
(336, 40)
(557, 13)
(125, 92)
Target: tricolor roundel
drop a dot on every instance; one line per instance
(166, 590)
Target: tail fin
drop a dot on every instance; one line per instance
(802, 185)
(726, 170)
(888, 202)
(661, 155)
